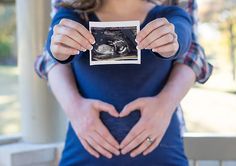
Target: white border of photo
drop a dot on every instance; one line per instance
(115, 24)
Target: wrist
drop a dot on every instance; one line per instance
(71, 102)
(167, 101)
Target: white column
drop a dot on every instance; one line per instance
(42, 119)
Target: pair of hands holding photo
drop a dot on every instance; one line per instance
(69, 38)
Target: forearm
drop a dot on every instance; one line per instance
(63, 86)
(195, 58)
(179, 83)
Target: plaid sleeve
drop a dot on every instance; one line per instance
(44, 63)
(195, 58)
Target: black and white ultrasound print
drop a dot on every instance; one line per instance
(115, 43)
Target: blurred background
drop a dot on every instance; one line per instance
(208, 108)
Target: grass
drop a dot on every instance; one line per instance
(9, 100)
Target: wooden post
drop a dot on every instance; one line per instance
(42, 119)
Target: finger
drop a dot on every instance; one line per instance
(153, 146)
(98, 148)
(142, 147)
(156, 34)
(102, 130)
(67, 41)
(80, 28)
(134, 132)
(167, 49)
(150, 27)
(166, 39)
(72, 33)
(102, 142)
(89, 148)
(135, 142)
(132, 106)
(106, 108)
(61, 51)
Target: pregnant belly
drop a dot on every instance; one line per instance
(120, 127)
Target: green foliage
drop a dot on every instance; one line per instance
(5, 50)
(7, 29)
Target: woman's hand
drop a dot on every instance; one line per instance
(156, 113)
(69, 38)
(159, 35)
(94, 136)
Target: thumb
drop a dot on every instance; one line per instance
(132, 106)
(105, 107)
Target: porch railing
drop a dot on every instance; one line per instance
(201, 149)
(210, 150)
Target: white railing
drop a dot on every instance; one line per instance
(201, 149)
(211, 150)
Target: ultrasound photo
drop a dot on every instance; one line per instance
(115, 43)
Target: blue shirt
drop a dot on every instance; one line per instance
(123, 83)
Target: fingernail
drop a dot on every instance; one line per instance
(84, 49)
(109, 156)
(138, 47)
(78, 52)
(90, 47)
(123, 152)
(136, 41)
(92, 41)
(117, 153)
(132, 155)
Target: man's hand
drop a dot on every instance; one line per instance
(156, 113)
(94, 136)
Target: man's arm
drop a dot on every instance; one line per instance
(63, 86)
(180, 81)
(195, 58)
